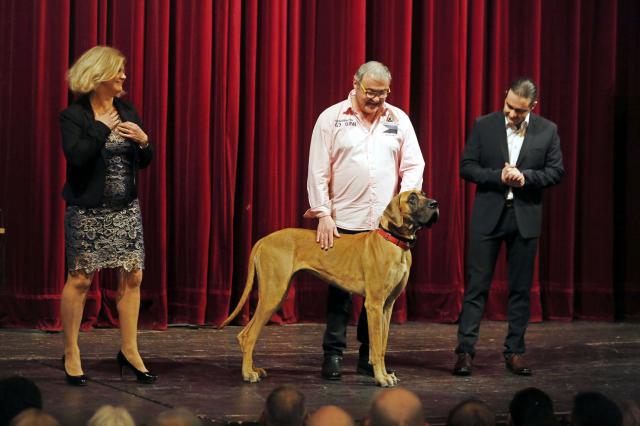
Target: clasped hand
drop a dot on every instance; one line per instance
(131, 130)
(512, 176)
(127, 129)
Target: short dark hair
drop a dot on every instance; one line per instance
(530, 407)
(526, 88)
(285, 406)
(595, 409)
(471, 412)
(16, 395)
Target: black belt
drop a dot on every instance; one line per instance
(508, 203)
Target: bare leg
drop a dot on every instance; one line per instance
(128, 303)
(74, 295)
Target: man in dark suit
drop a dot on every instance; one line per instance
(511, 156)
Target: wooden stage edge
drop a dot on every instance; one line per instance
(199, 368)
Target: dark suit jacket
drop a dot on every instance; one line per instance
(83, 141)
(483, 159)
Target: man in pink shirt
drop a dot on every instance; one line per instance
(362, 151)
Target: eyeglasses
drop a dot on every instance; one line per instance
(371, 94)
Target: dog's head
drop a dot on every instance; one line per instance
(408, 212)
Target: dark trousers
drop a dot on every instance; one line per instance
(481, 262)
(334, 341)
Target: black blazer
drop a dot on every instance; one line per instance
(83, 141)
(483, 159)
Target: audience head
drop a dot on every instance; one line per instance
(108, 415)
(531, 407)
(329, 415)
(396, 407)
(285, 406)
(595, 409)
(34, 417)
(177, 417)
(630, 413)
(17, 394)
(471, 412)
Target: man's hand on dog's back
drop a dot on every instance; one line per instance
(327, 229)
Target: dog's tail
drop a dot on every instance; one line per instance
(247, 287)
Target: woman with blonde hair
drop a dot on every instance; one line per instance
(108, 415)
(104, 147)
(34, 417)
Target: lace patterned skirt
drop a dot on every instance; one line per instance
(104, 237)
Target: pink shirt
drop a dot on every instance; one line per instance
(354, 171)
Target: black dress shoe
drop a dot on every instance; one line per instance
(80, 380)
(366, 369)
(517, 365)
(145, 377)
(464, 365)
(332, 367)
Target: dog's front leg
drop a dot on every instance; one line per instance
(376, 326)
(386, 322)
(387, 312)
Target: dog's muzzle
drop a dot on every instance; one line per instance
(432, 213)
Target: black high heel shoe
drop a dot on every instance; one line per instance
(145, 377)
(80, 380)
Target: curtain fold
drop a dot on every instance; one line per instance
(229, 91)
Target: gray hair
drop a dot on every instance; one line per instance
(178, 416)
(525, 88)
(375, 69)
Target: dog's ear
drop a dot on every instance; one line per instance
(392, 217)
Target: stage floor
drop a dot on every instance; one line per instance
(200, 369)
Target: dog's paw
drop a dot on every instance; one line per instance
(251, 377)
(387, 380)
(254, 375)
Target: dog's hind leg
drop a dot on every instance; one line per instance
(247, 343)
(272, 291)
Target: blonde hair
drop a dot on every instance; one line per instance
(34, 417)
(98, 64)
(177, 417)
(108, 415)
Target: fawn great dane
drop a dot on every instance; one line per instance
(373, 264)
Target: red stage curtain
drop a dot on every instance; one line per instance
(229, 92)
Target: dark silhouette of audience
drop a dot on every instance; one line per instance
(531, 407)
(285, 406)
(16, 395)
(21, 405)
(471, 412)
(595, 409)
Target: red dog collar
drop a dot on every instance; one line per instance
(387, 236)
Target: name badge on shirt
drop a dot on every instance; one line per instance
(345, 122)
(392, 129)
